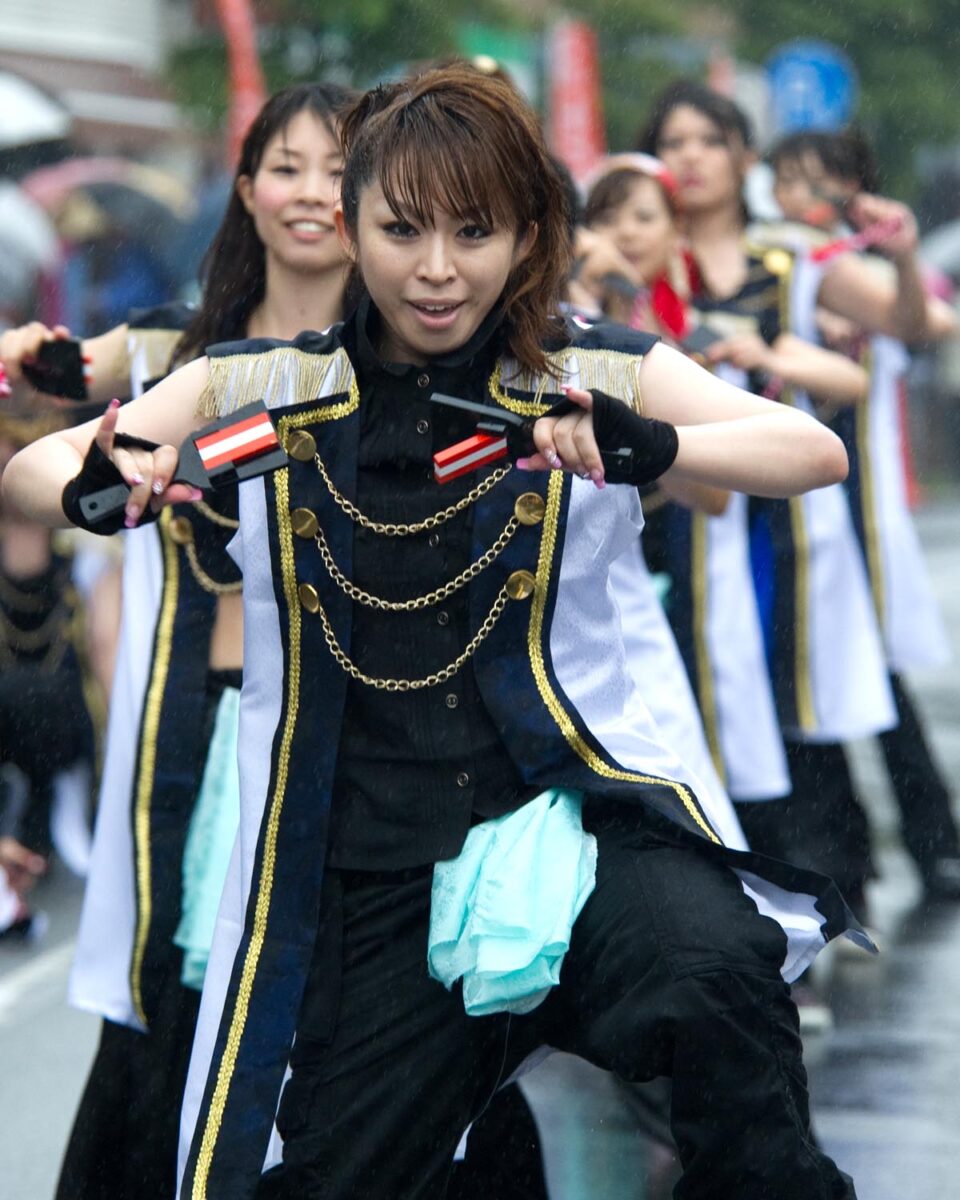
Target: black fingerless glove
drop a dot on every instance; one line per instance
(97, 473)
(635, 450)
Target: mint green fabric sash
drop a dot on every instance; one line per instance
(502, 912)
(210, 838)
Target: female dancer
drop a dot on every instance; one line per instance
(817, 175)
(823, 644)
(274, 268)
(420, 663)
(711, 604)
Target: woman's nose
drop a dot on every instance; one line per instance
(436, 261)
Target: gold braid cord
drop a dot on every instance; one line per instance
(207, 582)
(214, 517)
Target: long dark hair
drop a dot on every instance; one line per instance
(234, 270)
(729, 119)
(468, 143)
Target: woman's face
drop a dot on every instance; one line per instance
(433, 284)
(642, 228)
(707, 165)
(291, 197)
(805, 191)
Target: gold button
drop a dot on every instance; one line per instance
(520, 585)
(778, 262)
(304, 522)
(181, 531)
(301, 445)
(529, 508)
(309, 597)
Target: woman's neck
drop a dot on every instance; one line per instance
(715, 239)
(294, 302)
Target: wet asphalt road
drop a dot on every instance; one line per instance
(885, 1080)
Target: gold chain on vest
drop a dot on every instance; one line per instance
(420, 602)
(390, 529)
(413, 685)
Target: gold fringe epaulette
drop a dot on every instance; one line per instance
(284, 376)
(153, 349)
(610, 371)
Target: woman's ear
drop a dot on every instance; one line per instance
(244, 186)
(525, 243)
(343, 233)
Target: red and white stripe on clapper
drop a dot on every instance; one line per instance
(237, 442)
(468, 455)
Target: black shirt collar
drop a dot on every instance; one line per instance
(486, 344)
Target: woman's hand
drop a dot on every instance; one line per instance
(567, 443)
(904, 237)
(22, 867)
(22, 344)
(148, 473)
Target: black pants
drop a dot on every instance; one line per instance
(821, 825)
(44, 728)
(123, 1145)
(671, 971)
(927, 825)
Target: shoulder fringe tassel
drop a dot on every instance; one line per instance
(288, 376)
(610, 371)
(151, 351)
(281, 378)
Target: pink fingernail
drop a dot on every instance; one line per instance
(565, 387)
(196, 494)
(157, 487)
(552, 458)
(114, 403)
(136, 479)
(130, 522)
(597, 476)
(522, 464)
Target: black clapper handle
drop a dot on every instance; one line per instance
(617, 464)
(107, 502)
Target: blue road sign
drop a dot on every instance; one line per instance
(813, 85)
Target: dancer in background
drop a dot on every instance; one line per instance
(823, 644)
(169, 804)
(817, 177)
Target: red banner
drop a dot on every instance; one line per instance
(247, 88)
(575, 124)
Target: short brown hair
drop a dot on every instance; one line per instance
(470, 144)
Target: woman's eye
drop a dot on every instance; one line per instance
(283, 169)
(399, 229)
(474, 233)
(669, 144)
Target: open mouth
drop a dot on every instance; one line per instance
(436, 315)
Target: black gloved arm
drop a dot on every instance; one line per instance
(98, 472)
(644, 447)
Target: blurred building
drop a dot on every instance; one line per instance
(104, 60)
